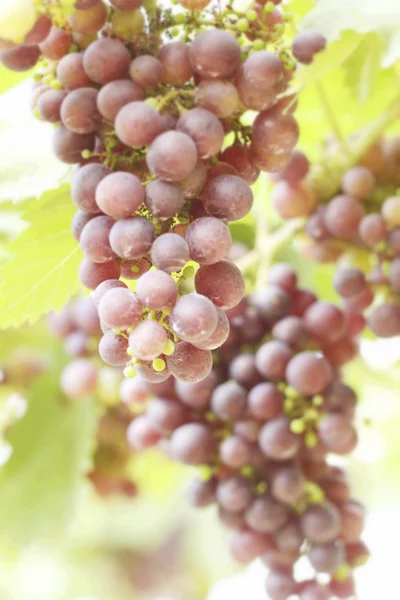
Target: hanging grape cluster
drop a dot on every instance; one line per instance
(143, 101)
(261, 427)
(358, 224)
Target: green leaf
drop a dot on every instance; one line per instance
(9, 79)
(43, 271)
(381, 17)
(52, 446)
(332, 57)
(28, 165)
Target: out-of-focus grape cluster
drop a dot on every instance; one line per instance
(262, 428)
(143, 100)
(358, 225)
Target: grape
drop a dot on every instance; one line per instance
(132, 238)
(172, 156)
(277, 441)
(105, 60)
(325, 322)
(220, 335)
(71, 73)
(204, 129)
(243, 370)
(265, 401)
(292, 201)
(192, 444)
(188, 363)
(218, 96)
(138, 124)
(84, 186)
(293, 331)
(352, 515)
(229, 401)
(79, 378)
(142, 434)
(85, 4)
(342, 589)
(384, 320)
(296, 169)
(340, 398)
(326, 558)
(394, 275)
(94, 239)
(246, 545)
(39, 31)
(271, 162)
(280, 585)
(49, 105)
(349, 282)
(227, 197)
(231, 520)
(167, 415)
(201, 493)
(240, 158)
(156, 290)
(170, 252)
(357, 553)
(222, 282)
(321, 523)
(68, 146)
(358, 182)
(194, 183)
(76, 344)
(220, 169)
(274, 133)
(197, 395)
(90, 20)
(120, 195)
(175, 61)
(337, 434)
(163, 199)
(147, 372)
(119, 308)
(343, 216)
(128, 24)
(288, 485)
(126, 4)
(164, 389)
(309, 373)
(209, 240)
(394, 241)
(266, 515)
(283, 276)
(235, 452)
(272, 359)
(391, 211)
(56, 44)
(113, 349)
(214, 54)
(234, 493)
(104, 287)
(194, 4)
(306, 45)
(372, 230)
(92, 274)
(79, 221)
(79, 111)
(276, 559)
(315, 591)
(115, 95)
(262, 70)
(249, 431)
(194, 318)
(146, 71)
(289, 538)
(254, 97)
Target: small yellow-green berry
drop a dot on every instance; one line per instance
(159, 365)
(130, 372)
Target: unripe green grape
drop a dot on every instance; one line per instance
(128, 24)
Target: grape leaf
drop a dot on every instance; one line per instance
(52, 445)
(381, 17)
(42, 273)
(9, 79)
(28, 165)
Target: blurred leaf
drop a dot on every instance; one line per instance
(42, 273)
(9, 79)
(380, 16)
(52, 445)
(332, 57)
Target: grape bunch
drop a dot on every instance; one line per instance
(360, 224)
(149, 105)
(262, 427)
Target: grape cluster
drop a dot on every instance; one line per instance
(143, 101)
(361, 224)
(261, 427)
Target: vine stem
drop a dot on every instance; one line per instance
(331, 117)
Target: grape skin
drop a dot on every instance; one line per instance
(115, 95)
(227, 197)
(209, 240)
(172, 156)
(215, 54)
(194, 318)
(222, 282)
(188, 363)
